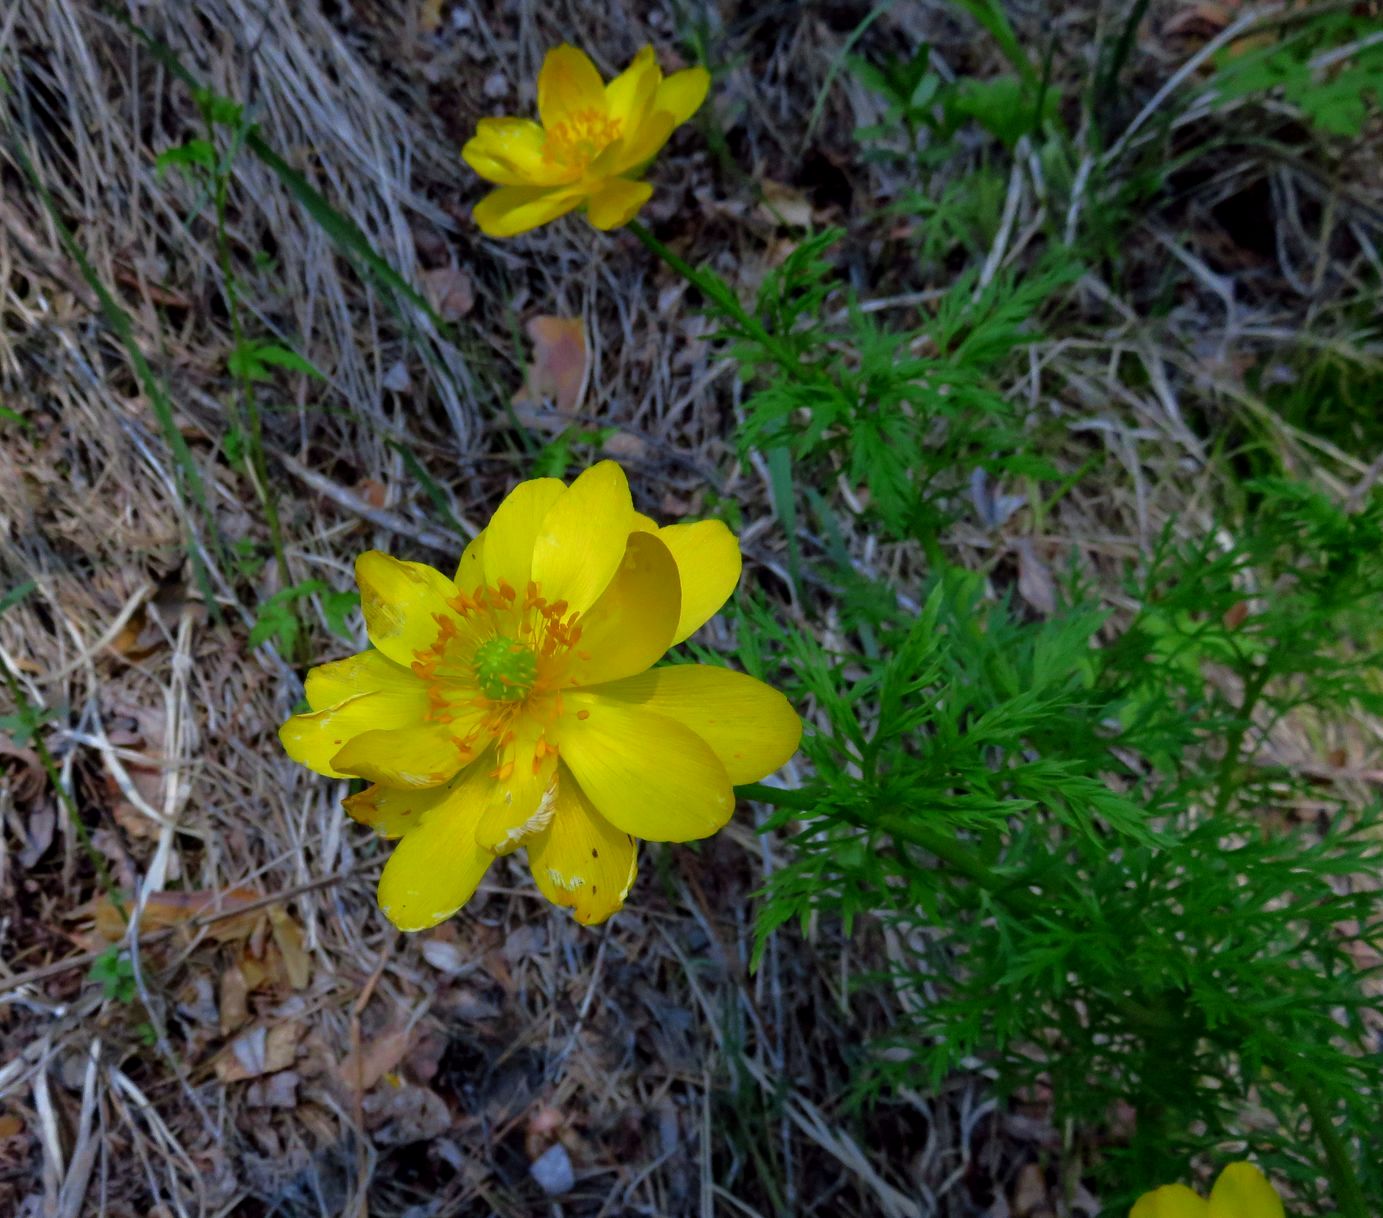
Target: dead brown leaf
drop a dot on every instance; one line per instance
(146, 732)
(129, 642)
(560, 363)
(38, 830)
(403, 1112)
(288, 937)
(448, 957)
(24, 769)
(786, 205)
(1035, 582)
(424, 1057)
(448, 289)
(1235, 615)
(254, 969)
(376, 1059)
(544, 1124)
(625, 446)
(375, 493)
(169, 909)
(274, 1091)
(260, 1050)
(133, 821)
(1205, 19)
(430, 16)
(1030, 1193)
(1201, 20)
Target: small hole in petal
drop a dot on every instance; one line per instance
(595, 854)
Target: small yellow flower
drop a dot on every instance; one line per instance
(1242, 1191)
(517, 704)
(594, 141)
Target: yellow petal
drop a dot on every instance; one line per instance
(709, 563)
(329, 684)
(682, 93)
(518, 803)
(568, 85)
(314, 739)
(646, 774)
(609, 163)
(420, 755)
(1170, 1201)
(512, 210)
(581, 860)
(436, 867)
(582, 539)
(617, 202)
(630, 627)
(677, 99)
(507, 555)
(402, 602)
(509, 152)
(391, 812)
(470, 571)
(643, 524)
(1242, 1191)
(639, 147)
(750, 727)
(631, 93)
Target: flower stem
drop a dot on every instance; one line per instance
(715, 288)
(247, 419)
(1349, 1196)
(1234, 743)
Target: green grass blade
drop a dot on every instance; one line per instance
(429, 484)
(785, 504)
(15, 595)
(992, 18)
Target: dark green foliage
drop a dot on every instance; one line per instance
(1106, 874)
(255, 359)
(114, 972)
(1330, 67)
(278, 619)
(1144, 919)
(905, 414)
(931, 109)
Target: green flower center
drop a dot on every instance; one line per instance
(505, 670)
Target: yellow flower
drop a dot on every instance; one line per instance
(594, 141)
(1242, 1191)
(517, 704)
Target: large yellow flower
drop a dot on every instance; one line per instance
(517, 704)
(594, 141)
(1242, 1191)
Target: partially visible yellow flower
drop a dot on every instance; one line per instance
(1242, 1191)
(594, 142)
(517, 704)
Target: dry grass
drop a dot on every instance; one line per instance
(289, 1053)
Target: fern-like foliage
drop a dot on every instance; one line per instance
(1160, 915)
